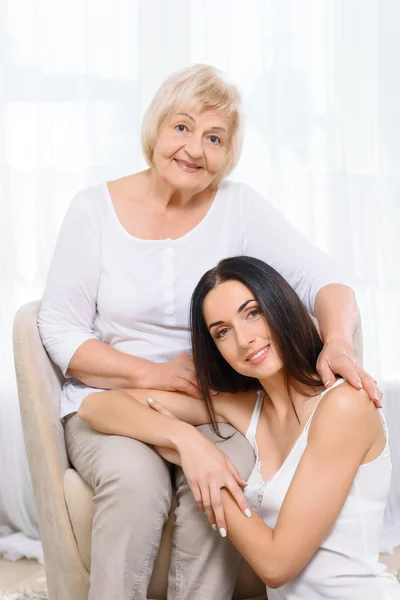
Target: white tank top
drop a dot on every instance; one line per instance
(346, 564)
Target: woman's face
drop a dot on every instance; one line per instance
(240, 331)
(192, 148)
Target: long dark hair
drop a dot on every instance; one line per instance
(292, 329)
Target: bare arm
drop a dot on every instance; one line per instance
(321, 287)
(117, 412)
(98, 365)
(207, 468)
(337, 314)
(336, 448)
(68, 310)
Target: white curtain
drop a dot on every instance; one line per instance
(321, 90)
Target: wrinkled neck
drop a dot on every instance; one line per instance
(167, 196)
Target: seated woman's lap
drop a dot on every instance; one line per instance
(99, 457)
(203, 555)
(132, 500)
(102, 458)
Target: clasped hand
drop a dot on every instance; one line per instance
(207, 470)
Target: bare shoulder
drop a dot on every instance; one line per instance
(348, 399)
(346, 406)
(235, 408)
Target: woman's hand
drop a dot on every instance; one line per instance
(176, 375)
(207, 470)
(337, 358)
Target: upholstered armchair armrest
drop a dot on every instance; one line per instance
(39, 384)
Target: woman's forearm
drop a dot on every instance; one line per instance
(337, 313)
(256, 543)
(117, 413)
(98, 365)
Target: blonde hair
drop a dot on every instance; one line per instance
(198, 88)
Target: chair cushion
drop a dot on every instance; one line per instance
(79, 499)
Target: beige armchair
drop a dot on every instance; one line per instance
(63, 499)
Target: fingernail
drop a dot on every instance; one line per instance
(326, 383)
(376, 396)
(222, 532)
(359, 385)
(213, 392)
(247, 512)
(214, 527)
(150, 400)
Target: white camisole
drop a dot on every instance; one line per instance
(346, 564)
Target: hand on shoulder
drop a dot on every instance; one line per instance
(349, 401)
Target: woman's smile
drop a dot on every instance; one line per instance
(187, 166)
(258, 356)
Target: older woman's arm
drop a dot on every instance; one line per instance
(99, 365)
(68, 306)
(68, 310)
(324, 289)
(337, 315)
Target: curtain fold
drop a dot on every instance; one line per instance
(321, 92)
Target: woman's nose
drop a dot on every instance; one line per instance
(244, 339)
(194, 148)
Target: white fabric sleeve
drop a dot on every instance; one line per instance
(267, 235)
(68, 307)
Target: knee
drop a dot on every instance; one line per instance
(146, 493)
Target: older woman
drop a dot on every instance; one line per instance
(115, 315)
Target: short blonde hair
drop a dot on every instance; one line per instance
(198, 88)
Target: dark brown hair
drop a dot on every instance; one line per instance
(292, 329)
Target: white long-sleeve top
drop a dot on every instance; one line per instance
(134, 294)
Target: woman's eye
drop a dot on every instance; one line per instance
(254, 312)
(221, 333)
(181, 128)
(214, 139)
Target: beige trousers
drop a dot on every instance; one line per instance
(132, 499)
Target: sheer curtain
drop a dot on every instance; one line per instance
(319, 80)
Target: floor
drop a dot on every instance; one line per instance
(27, 575)
(20, 576)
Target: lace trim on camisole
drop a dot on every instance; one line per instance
(257, 484)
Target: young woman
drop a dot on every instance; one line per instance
(322, 472)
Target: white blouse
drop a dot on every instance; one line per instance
(134, 294)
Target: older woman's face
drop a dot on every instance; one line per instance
(192, 148)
